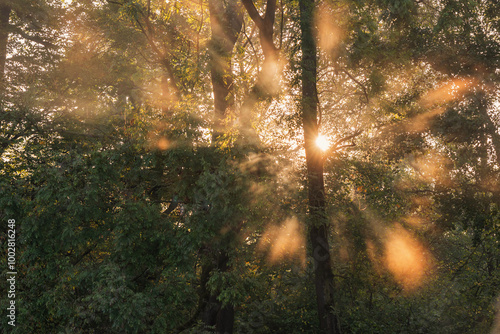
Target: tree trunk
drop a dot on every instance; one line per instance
(318, 230)
(213, 313)
(4, 36)
(226, 21)
(268, 78)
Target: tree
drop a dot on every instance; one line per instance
(163, 179)
(318, 233)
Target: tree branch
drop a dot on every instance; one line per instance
(161, 55)
(346, 138)
(36, 39)
(282, 23)
(254, 14)
(249, 41)
(337, 145)
(359, 83)
(270, 13)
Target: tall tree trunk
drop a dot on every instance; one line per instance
(318, 229)
(4, 36)
(213, 313)
(226, 21)
(268, 78)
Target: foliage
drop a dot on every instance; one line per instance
(124, 206)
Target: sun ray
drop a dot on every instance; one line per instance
(322, 142)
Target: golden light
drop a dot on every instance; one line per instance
(449, 91)
(163, 144)
(330, 31)
(407, 259)
(322, 142)
(285, 241)
(433, 167)
(434, 100)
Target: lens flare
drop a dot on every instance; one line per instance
(284, 242)
(330, 32)
(448, 91)
(322, 142)
(406, 258)
(435, 100)
(163, 144)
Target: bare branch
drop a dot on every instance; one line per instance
(162, 57)
(248, 36)
(282, 24)
(249, 41)
(337, 146)
(36, 39)
(359, 83)
(346, 145)
(346, 138)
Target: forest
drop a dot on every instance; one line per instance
(250, 166)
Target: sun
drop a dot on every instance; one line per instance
(322, 142)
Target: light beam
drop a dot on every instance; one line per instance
(322, 142)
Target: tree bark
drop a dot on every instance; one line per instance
(4, 37)
(213, 312)
(318, 229)
(226, 21)
(268, 77)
